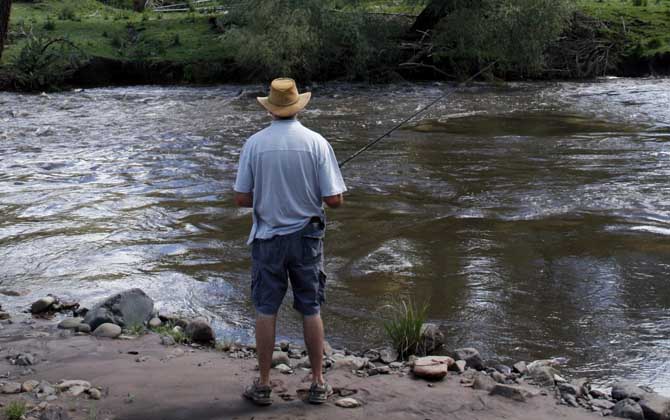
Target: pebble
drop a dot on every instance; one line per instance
(155, 323)
(107, 330)
(167, 340)
(70, 323)
(432, 368)
(284, 369)
(348, 403)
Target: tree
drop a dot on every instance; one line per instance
(5, 9)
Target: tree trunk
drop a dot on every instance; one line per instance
(431, 15)
(5, 8)
(138, 5)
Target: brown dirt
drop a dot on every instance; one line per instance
(207, 384)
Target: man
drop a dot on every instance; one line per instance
(286, 173)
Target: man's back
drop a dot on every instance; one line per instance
(289, 168)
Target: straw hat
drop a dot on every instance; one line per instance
(284, 99)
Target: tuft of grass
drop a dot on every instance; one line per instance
(404, 326)
(136, 330)
(15, 410)
(168, 329)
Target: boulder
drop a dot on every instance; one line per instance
(42, 305)
(11, 388)
(199, 331)
(626, 389)
(432, 368)
(655, 407)
(125, 309)
(107, 330)
(471, 356)
(513, 392)
(70, 323)
(347, 403)
(431, 338)
(280, 358)
(628, 409)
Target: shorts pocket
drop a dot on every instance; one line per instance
(312, 242)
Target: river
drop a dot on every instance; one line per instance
(534, 218)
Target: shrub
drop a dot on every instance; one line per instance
(49, 25)
(15, 410)
(67, 13)
(404, 326)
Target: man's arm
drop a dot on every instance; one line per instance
(244, 199)
(334, 201)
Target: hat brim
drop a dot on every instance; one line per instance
(286, 111)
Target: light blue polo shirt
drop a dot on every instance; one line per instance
(289, 168)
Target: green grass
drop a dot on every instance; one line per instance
(403, 326)
(15, 410)
(168, 329)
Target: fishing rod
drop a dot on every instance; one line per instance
(405, 121)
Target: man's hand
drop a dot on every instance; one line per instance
(334, 201)
(244, 199)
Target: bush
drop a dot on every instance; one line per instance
(404, 326)
(49, 25)
(67, 13)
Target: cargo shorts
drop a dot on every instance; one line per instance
(297, 257)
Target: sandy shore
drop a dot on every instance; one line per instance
(144, 380)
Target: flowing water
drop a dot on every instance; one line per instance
(533, 218)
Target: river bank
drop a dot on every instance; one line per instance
(56, 370)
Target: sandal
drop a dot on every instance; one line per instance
(258, 394)
(318, 394)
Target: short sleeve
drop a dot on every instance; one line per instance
(245, 177)
(330, 177)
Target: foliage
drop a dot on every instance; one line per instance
(15, 410)
(404, 326)
(168, 328)
(67, 13)
(136, 330)
(45, 63)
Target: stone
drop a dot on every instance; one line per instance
(304, 363)
(383, 370)
(432, 338)
(505, 370)
(498, 377)
(284, 345)
(388, 355)
(9, 292)
(54, 413)
(347, 403)
(94, 394)
(542, 375)
(29, 385)
(372, 355)
(513, 392)
(349, 362)
(520, 368)
(471, 356)
(126, 309)
(568, 389)
(483, 382)
(65, 385)
(583, 386)
(458, 366)
(327, 349)
(11, 388)
(625, 389)
(76, 390)
(199, 331)
(628, 409)
(603, 404)
(42, 305)
(84, 328)
(432, 368)
(282, 368)
(396, 365)
(167, 340)
(155, 322)
(25, 359)
(655, 407)
(44, 390)
(70, 323)
(107, 330)
(596, 393)
(4, 315)
(279, 358)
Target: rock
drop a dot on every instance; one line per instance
(42, 305)
(327, 349)
(349, 362)
(155, 322)
(279, 358)
(383, 370)
(568, 389)
(29, 385)
(84, 328)
(583, 386)
(432, 368)
(125, 309)
(65, 385)
(284, 345)
(167, 340)
(471, 356)
(4, 315)
(11, 388)
(483, 382)
(458, 366)
(396, 365)
(107, 330)
(199, 331)
(282, 368)
(25, 359)
(9, 292)
(513, 392)
(498, 377)
(347, 403)
(44, 390)
(655, 407)
(76, 390)
(625, 389)
(304, 363)
(505, 370)
(542, 375)
(628, 409)
(431, 338)
(94, 394)
(70, 323)
(388, 355)
(372, 355)
(173, 319)
(603, 404)
(520, 368)
(54, 413)
(598, 394)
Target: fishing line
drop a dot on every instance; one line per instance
(406, 120)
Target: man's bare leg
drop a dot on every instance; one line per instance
(265, 344)
(313, 331)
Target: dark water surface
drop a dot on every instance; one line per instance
(534, 218)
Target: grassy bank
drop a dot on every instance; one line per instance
(211, 46)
